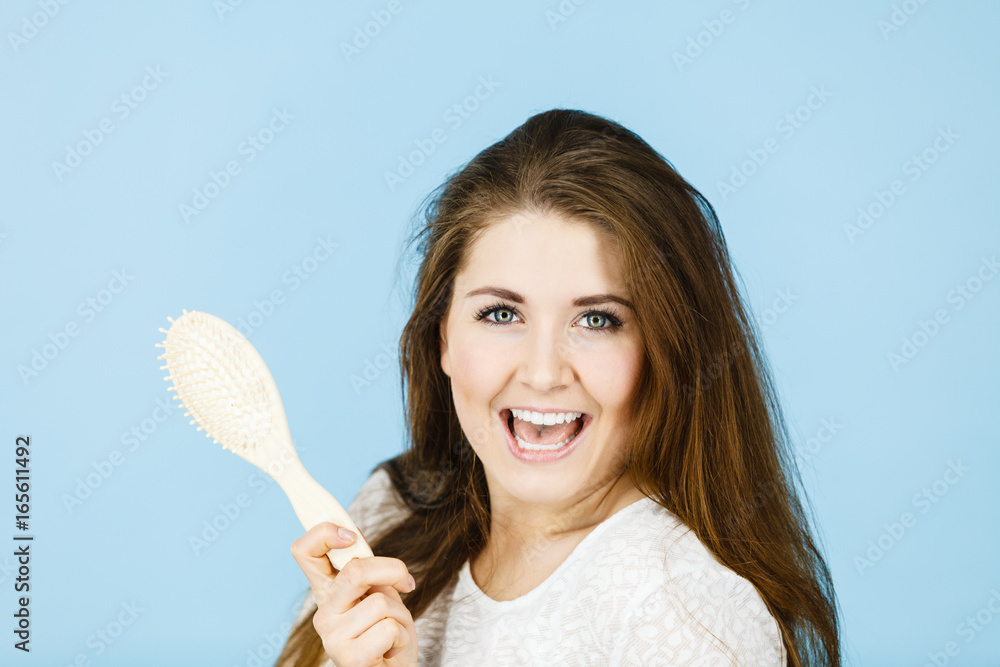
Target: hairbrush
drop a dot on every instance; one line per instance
(221, 380)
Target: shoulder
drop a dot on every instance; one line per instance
(686, 607)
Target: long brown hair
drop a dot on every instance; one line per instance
(709, 442)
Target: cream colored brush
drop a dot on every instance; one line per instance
(222, 382)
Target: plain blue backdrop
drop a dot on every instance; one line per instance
(162, 156)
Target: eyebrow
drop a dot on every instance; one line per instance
(592, 300)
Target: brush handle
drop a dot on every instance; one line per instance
(313, 504)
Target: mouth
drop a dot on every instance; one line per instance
(544, 431)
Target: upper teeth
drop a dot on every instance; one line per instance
(546, 418)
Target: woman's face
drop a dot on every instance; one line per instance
(537, 323)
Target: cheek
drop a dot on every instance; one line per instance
(478, 376)
(476, 373)
(612, 375)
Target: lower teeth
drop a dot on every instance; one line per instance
(527, 445)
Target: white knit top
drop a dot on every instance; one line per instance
(639, 589)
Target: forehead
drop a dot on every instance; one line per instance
(543, 254)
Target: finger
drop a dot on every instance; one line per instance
(387, 590)
(406, 619)
(366, 613)
(380, 638)
(360, 574)
(309, 551)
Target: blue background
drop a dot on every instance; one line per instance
(833, 305)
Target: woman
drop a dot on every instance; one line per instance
(599, 470)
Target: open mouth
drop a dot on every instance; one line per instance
(548, 432)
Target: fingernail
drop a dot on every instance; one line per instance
(347, 534)
(413, 584)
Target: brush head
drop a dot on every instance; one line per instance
(223, 383)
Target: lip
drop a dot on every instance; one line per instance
(541, 456)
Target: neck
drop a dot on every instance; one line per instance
(517, 527)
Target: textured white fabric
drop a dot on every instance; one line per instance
(639, 589)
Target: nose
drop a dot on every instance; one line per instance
(545, 361)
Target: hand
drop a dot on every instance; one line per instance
(360, 618)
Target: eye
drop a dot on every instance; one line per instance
(504, 314)
(601, 320)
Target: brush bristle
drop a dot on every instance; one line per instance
(215, 381)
